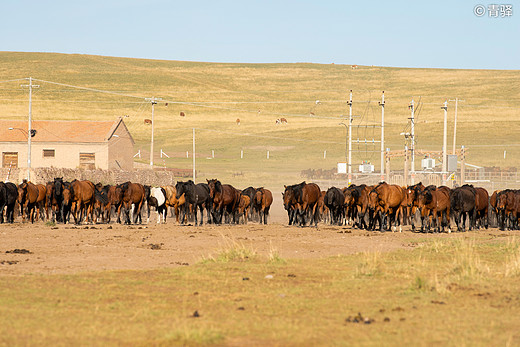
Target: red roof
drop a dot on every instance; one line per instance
(59, 130)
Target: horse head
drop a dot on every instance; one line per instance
(179, 188)
(373, 199)
(58, 185)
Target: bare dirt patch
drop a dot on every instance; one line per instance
(86, 248)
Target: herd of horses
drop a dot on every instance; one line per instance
(78, 201)
(388, 206)
(383, 206)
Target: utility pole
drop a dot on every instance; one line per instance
(193, 155)
(382, 104)
(349, 163)
(153, 100)
(455, 125)
(29, 131)
(445, 142)
(412, 144)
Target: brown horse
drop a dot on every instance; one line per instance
(481, 208)
(31, 198)
(224, 197)
(505, 207)
(494, 210)
(387, 198)
(411, 201)
(173, 202)
(263, 199)
(435, 203)
(51, 203)
(243, 207)
(133, 194)
(290, 204)
(304, 198)
(82, 200)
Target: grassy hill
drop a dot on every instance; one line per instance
(214, 95)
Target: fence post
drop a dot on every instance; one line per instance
(405, 172)
(387, 162)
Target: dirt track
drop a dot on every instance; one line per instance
(86, 248)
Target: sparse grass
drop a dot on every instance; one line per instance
(232, 250)
(305, 302)
(50, 223)
(370, 265)
(512, 264)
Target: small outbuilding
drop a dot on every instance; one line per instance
(67, 144)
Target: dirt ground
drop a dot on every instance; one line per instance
(65, 249)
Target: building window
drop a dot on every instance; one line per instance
(10, 159)
(49, 153)
(87, 161)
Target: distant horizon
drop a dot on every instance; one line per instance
(441, 35)
(266, 63)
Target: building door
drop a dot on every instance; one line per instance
(10, 159)
(87, 161)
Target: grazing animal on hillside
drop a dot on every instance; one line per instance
(238, 121)
(148, 121)
(182, 114)
(281, 121)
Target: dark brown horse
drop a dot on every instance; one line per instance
(506, 207)
(51, 202)
(225, 198)
(264, 200)
(303, 200)
(387, 198)
(434, 204)
(133, 194)
(31, 198)
(481, 208)
(494, 210)
(412, 203)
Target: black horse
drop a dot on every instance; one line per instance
(335, 201)
(196, 195)
(462, 201)
(58, 196)
(8, 196)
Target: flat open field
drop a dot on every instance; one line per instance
(256, 285)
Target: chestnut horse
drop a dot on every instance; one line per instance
(304, 198)
(172, 201)
(435, 203)
(133, 194)
(224, 197)
(31, 197)
(387, 198)
(481, 208)
(81, 200)
(264, 200)
(243, 207)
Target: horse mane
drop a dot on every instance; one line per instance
(99, 196)
(124, 187)
(218, 186)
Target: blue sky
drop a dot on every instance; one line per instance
(433, 34)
